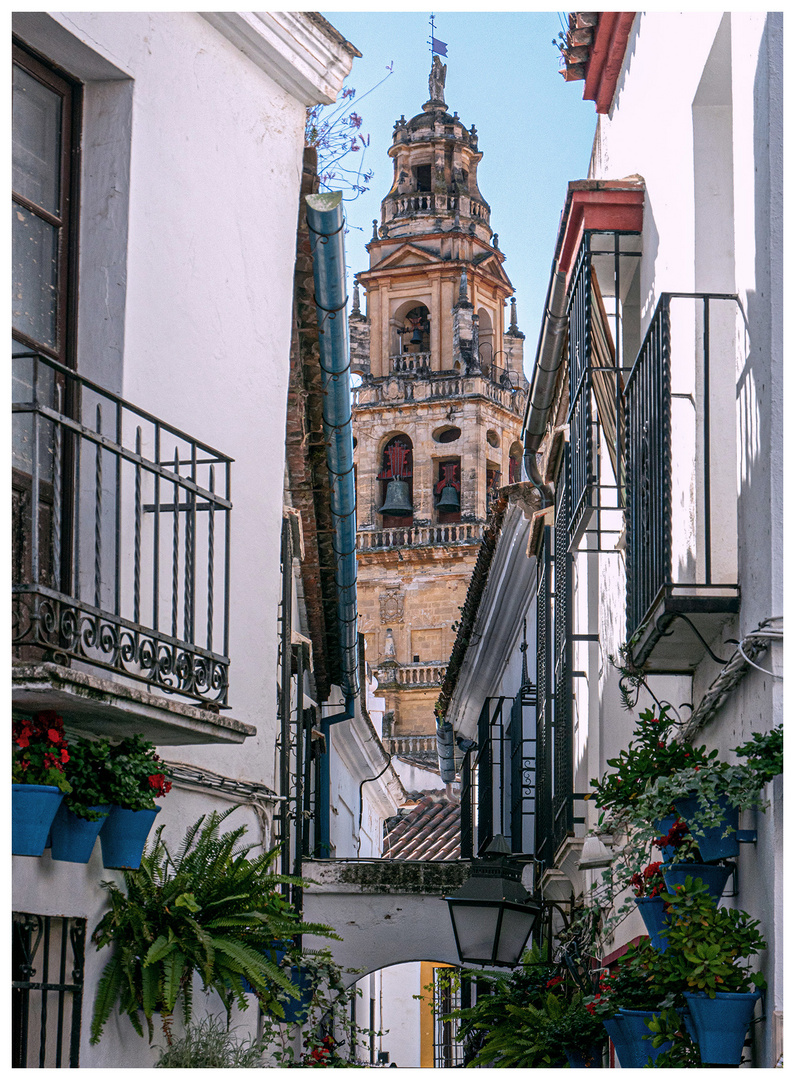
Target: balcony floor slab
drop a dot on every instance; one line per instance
(91, 705)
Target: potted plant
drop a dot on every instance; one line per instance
(132, 782)
(39, 754)
(709, 954)
(211, 910)
(628, 999)
(648, 884)
(575, 1029)
(84, 809)
(685, 861)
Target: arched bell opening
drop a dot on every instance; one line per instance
(515, 463)
(447, 491)
(485, 341)
(412, 329)
(396, 492)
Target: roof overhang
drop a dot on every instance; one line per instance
(602, 205)
(607, 58)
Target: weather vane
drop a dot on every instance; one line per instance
(436, 45)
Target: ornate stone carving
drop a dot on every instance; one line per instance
(391, 600)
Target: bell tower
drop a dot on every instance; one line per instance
(438, 412)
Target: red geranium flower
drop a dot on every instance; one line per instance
(53, 735)
(554, 982)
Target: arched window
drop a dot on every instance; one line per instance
(447, 491)
(515, 463)
(413, 330)
(485, 340)
(396, 483)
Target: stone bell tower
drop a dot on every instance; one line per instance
(438, 413)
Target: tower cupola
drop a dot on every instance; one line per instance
(435, 158)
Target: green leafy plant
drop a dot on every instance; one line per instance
(652, 752)
(327, 1036)
(211, 909)
(39, 751)
(208, 1045)
(131, 777)
(764, 754)
(87, 772)
(667, 1027)
(709, 948)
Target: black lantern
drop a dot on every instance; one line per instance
(492, 913)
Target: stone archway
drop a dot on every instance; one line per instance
(386, 911)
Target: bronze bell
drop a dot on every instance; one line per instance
(449, 503)
(416, 337)
(397, 500)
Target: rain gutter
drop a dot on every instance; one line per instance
(549, 355)
(325, 219)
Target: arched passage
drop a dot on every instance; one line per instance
(386, 912)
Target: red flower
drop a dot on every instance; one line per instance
(590, 1007)
(159, 785)
(64, 755)
(554, 982)
(53, 735)
(22, 739)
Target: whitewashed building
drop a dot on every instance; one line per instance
(157, 171)
(653, 453)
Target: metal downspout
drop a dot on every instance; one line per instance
(325, 219)
(545, 375)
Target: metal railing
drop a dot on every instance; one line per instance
(47, 957)
(653, 463)
(419, 536)
(121, 537)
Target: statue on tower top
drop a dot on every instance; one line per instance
(436, 79)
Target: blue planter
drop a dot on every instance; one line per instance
(123, 837)
(585, 1059)
(296, 1010)
(637, 1032)
(276, 953)
(73, 837)
(714, 877)
(624, 1047)
(33, 807)
(652, 910)
(713, 844)
(720, 1025)
(663, 826)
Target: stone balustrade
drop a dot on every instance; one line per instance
(409, 675)
(410, 744)
(470, 532)
(428, 386)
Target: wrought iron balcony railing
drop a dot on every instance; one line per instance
(681, 469)
(121, 528)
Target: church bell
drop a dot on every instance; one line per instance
(397, 500)
(416, 337)
(449, 503)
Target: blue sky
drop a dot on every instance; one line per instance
(534, 130)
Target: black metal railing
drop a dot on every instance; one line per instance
(47, 956)
(544, 726)
(522, 737)
(650, 458)
(582, 471)
(121, 531)
(563, 766)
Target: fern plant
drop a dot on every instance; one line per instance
(213, 910)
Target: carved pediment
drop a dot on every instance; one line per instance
(491, 265)
(407, 255)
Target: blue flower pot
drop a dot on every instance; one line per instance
(123, 837)
(652, 910)
(713, 844)
(585, 1059)
(73, 837)
(623, 1045)
(276, 954)
(663, 826)
(637, 1032)
(714, 877)
(33, 808)
(296, 1010)
(720, 1025)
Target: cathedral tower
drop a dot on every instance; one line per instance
(438, 413)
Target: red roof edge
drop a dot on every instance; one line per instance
(607, 56)
(609, 205)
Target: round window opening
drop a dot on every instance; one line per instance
(447, 434)
(492, 438)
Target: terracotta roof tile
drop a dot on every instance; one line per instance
(430, 830)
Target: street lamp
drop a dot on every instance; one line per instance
(492, 913)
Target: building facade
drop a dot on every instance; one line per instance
(157, 165)
(437, 412)
(653, 453)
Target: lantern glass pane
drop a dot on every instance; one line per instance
(476, 927)
(514, 932)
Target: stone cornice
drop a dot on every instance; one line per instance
(296, 51)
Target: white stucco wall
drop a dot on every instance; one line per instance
(192, 155)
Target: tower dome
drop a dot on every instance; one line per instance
(434, 184)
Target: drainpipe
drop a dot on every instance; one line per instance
(325, 221)
(549, 355)
(323, 837)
